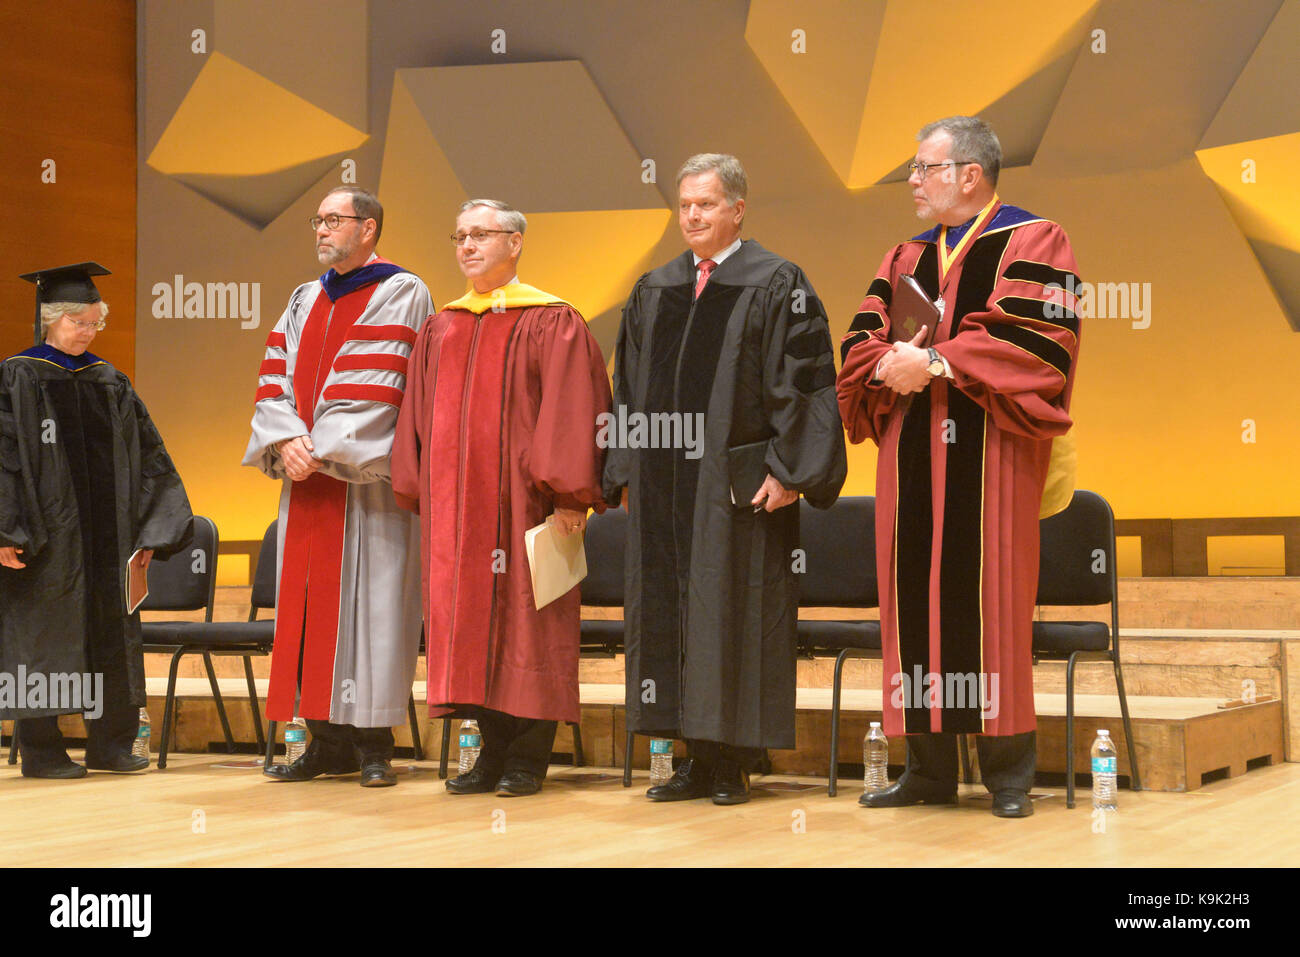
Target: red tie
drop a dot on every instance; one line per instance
(705, 267)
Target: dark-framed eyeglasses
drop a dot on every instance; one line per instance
(479, 236)
(923, 169)
(333, 221)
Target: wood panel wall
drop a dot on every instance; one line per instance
(67, 93)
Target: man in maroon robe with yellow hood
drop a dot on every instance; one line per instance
(498, 432)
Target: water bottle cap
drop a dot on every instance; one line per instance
(1101, 731)
(875, 724)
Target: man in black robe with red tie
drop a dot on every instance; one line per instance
(728, 350)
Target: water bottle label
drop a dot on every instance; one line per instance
(295, 735)
(1105, 766)
(471, 740)
(143, 731)
(661, 746)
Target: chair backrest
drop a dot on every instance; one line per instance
(606, 544)
(839, 545)
(187, 580)
(1076, 559)
(264, 581)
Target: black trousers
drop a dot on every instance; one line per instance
(709, 753)
(513, 744)
(41, 744)
(1006, 762)
(338, 738)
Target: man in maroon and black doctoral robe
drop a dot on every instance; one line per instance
(730, 341)
(498, 432)
(965, 431)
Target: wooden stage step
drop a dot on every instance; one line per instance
(1181, 742)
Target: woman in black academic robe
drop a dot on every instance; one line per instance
(85, 484)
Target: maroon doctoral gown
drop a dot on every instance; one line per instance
(497, 431)
(962, 467)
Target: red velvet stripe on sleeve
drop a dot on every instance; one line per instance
(391, 333)
(276, 339)
(269, 392)
(372, 360)
(273, 367)
(365, 393)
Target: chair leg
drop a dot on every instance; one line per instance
(832, 783)
(13, 745)
(1134, 781)
(169, 708)
(417, 745)
(270, 745)
(221, 705)
(252, 702)
(967, 774)
(446, 746)
(627, 762)
(578, 760)
(1069, 732)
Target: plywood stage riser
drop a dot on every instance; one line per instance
(1172, 754)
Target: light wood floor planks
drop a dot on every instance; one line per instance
(197, 813)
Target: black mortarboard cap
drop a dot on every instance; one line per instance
(64, 284)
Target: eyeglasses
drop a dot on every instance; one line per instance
(478, 235)
(922, 169)
(333, 221)
(96, 324)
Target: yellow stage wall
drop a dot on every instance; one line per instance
(1164, 136)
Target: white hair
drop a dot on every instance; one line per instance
(54, 311)
(509, 217)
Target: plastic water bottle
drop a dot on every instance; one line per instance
(140, 749)
(471, 742)
(295, 739)
(1105, 765)
(661, 761)
(875, 760)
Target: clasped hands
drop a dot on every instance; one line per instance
(903, 368)
(296, 454)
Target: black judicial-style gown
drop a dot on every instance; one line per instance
(84, 482)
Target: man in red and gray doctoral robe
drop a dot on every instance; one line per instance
(347, 624)
(497, 433)
(965, 431)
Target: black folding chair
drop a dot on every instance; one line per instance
(184, 582)
(1076, 566)
(839, 545)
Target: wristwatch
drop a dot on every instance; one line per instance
(936, 366)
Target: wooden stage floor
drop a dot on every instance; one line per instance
(198, 813)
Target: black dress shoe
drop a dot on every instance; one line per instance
(59, 771)
(1012, 803)
(518, 783)
(121, 763)
(377, 772)
(477, 780)
(691, 780)
(730, 783)
(905, 792)
(313, 763)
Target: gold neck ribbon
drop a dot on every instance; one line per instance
(948, 260)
